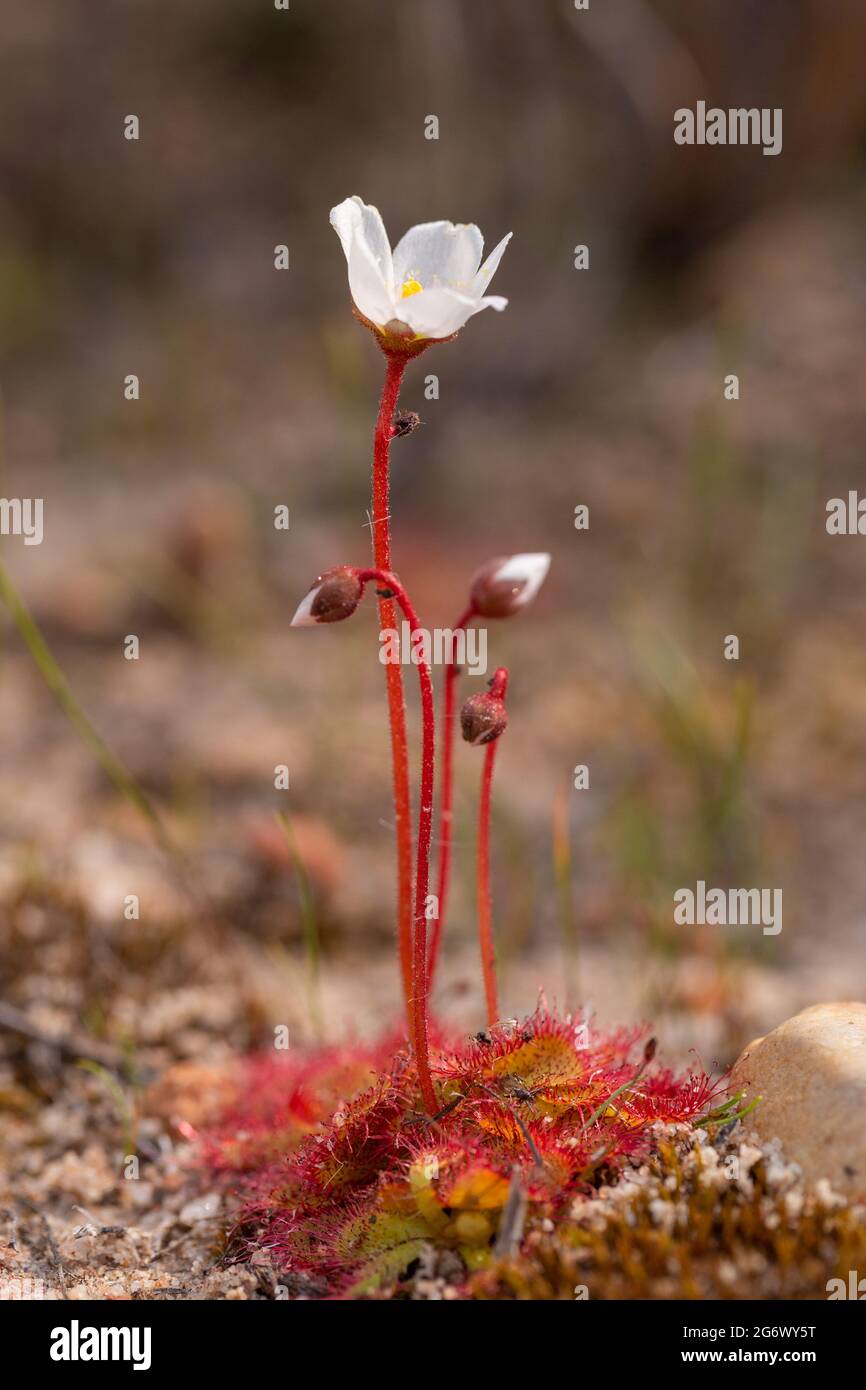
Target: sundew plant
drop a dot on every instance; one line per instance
(355, 1160)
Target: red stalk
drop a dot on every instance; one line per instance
(498, 688)
(446, 794)
(419, 981)
(380, 522)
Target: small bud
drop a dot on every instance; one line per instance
(650, 1050)
(483, 718)
(334, 596)
(405, 422)
(505, 585)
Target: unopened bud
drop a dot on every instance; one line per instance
(505, 585)
(334, 596)
(483, 718)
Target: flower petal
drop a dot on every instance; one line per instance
(369, 290)
(345, 218)
(488, 270)
(529, 569)
(436, 313)
(490, 301)
(304, 611)
(355, 216)
(439, 254)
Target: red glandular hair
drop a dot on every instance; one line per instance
(345, 1180)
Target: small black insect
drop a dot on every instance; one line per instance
(517, 1088)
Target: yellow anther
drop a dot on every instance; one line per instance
(410, 287)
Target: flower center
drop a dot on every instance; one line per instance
(410, 286)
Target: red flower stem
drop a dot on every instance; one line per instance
(498, 687)
(380, 523)
(419, 988)
(446, 817)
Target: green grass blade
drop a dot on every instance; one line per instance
(310, 923)
(60, 689)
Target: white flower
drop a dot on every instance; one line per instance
(431, 284)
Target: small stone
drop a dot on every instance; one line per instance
(200, 1209)
(811, 1075)
(794, 1203)
(727, 1272)
(748, 1156)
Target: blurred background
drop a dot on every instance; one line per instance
(601, 387)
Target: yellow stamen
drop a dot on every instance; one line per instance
(410, 287)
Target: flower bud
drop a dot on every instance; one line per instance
(505, 585)
(483, 718)
(334, 596)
